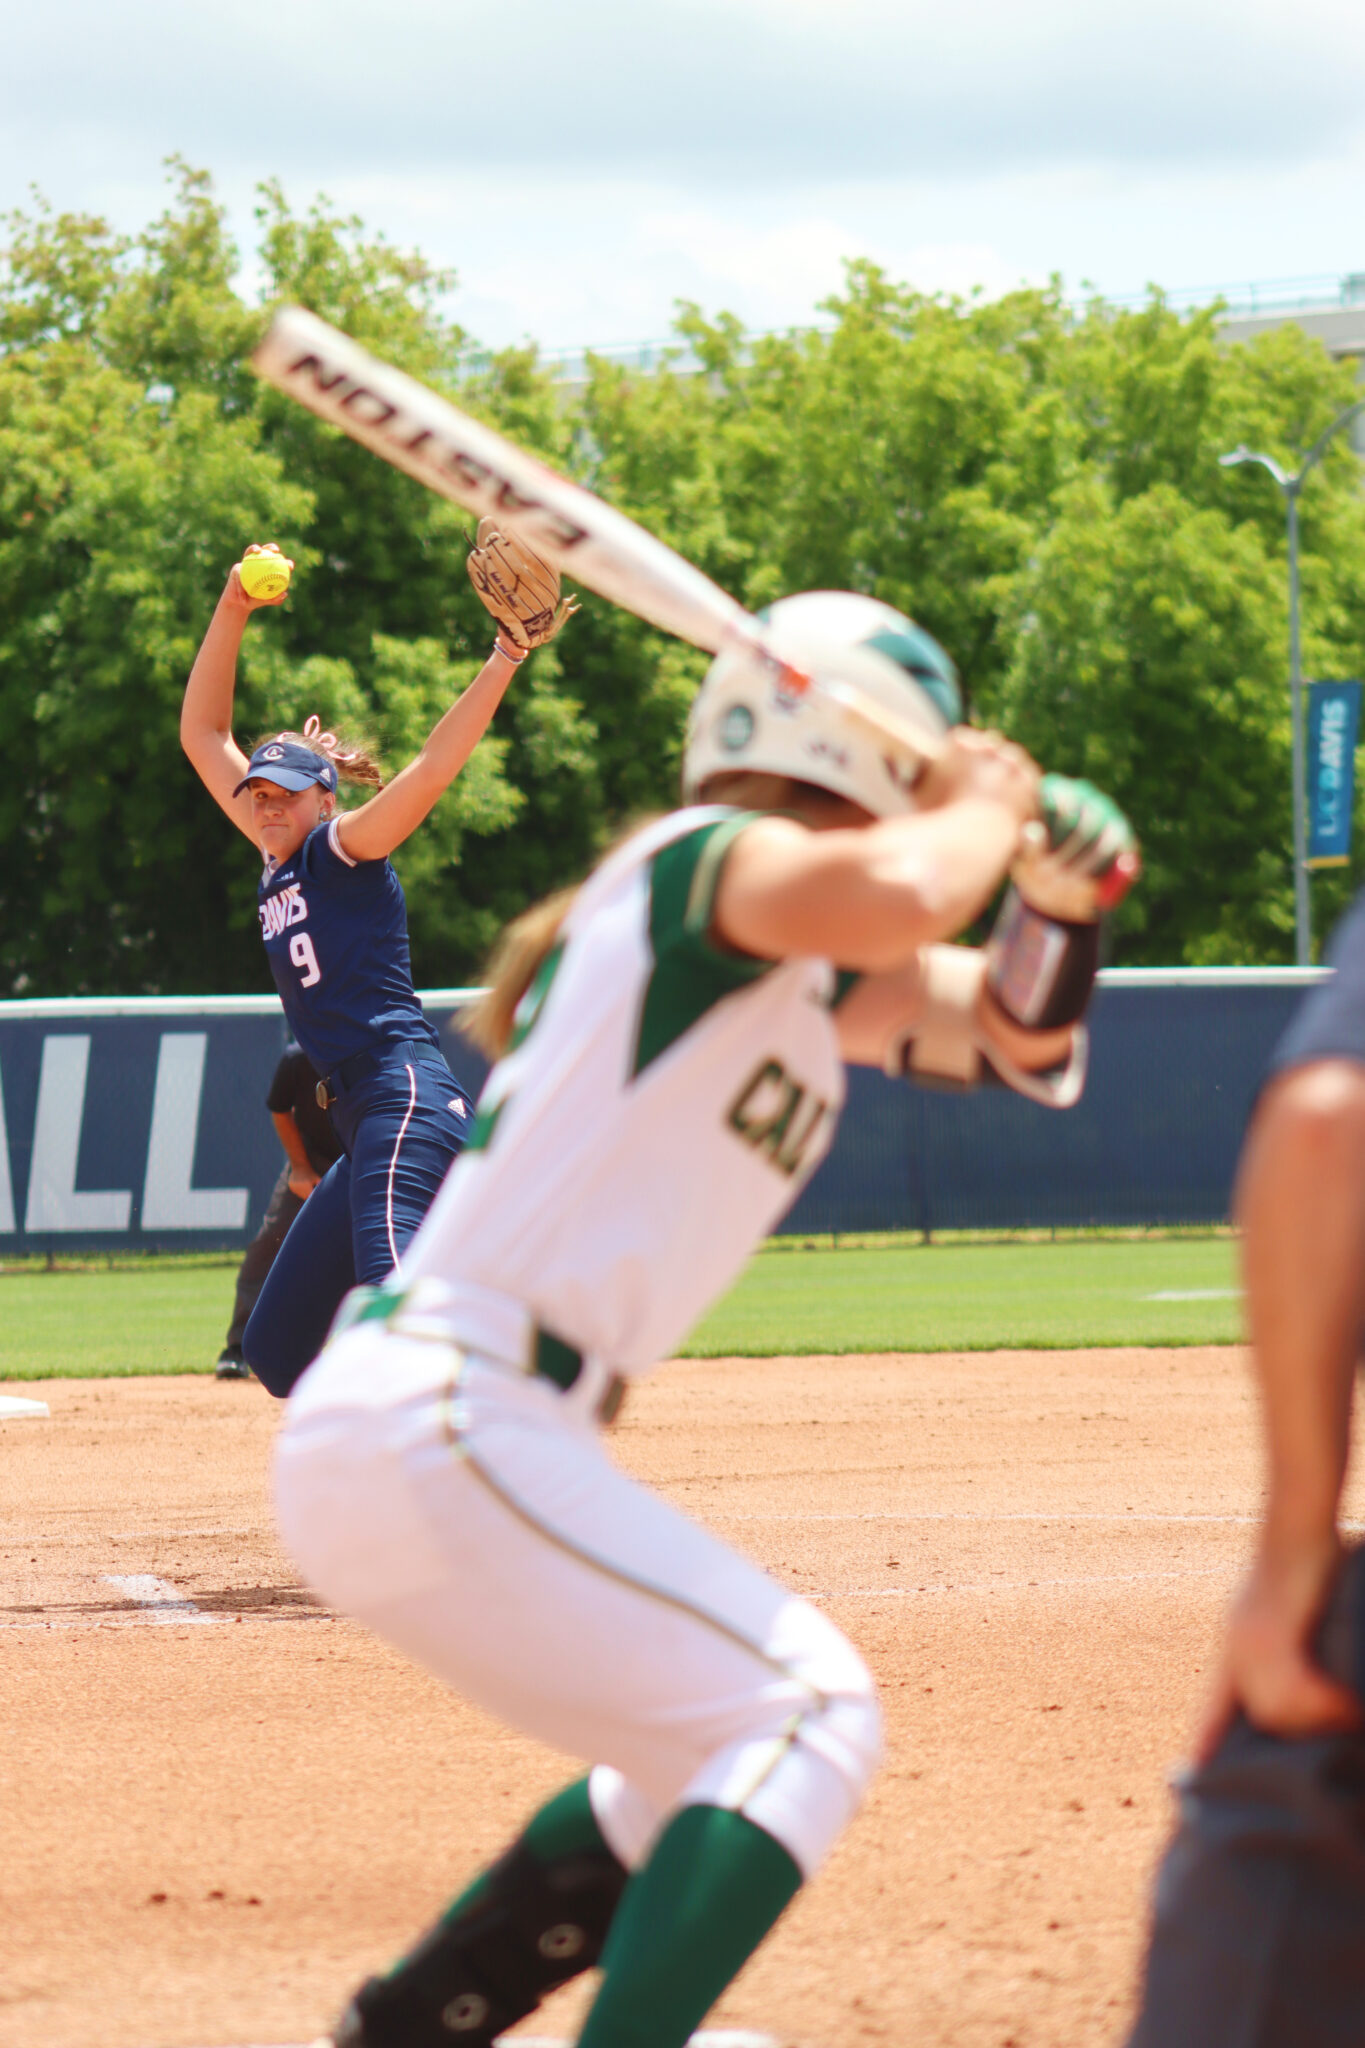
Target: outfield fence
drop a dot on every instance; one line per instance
(140, 1123)
(1177, 1056)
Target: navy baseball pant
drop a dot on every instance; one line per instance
(401, 1127)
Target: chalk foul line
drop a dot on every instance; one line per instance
(1194, 1294)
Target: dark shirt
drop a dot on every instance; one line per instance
(1330, 1023)
(336, 937)
(293, 1092)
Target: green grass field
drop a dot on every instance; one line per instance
(81, 1325)
(978, 1297)
(170, 1317)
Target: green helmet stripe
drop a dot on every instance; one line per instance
(925, 661)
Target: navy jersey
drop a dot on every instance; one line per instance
(336, 936)
(1330, 1023)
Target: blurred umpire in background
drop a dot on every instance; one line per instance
(1259, 1932)
(310, 1145)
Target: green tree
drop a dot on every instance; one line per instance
(140, 457)
(1039, 486)
(1148, 632)
(113, 501)
(910, 451)
(1143, 658)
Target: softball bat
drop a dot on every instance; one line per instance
(414, 428)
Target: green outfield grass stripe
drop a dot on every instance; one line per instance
(168, 1318)
(979, 1298)
(86, 1325)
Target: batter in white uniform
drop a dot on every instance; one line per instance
(674, 1037)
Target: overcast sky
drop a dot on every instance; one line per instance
(584, 163)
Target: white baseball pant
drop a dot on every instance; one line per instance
(469, 1515)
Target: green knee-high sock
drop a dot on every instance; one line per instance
(565, 1826)
(687, 1923)
(530, 1922)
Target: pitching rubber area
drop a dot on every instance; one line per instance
(222, 1805)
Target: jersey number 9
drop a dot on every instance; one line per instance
(302, 954)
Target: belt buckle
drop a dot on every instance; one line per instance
(322, 1096)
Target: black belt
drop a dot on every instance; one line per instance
(551, 1358)
(557, 1361)
(361, 1065)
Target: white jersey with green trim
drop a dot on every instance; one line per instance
(663, 1103)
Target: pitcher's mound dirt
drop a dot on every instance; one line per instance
(220, 1805)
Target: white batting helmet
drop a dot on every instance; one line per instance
(743, 719)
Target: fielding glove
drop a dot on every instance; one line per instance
(518, 586)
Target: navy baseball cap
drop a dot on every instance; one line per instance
(288, 764)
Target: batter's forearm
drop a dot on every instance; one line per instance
(1033, 1050)
(868, 897)
(1301, 1206)
(884, 1011)
(938, 871)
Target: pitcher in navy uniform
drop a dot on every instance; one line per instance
(335, 928)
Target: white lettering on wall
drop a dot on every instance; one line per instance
(169, 1202)
(53, 1203)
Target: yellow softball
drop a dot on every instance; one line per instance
(265, 575)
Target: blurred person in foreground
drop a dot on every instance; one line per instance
(304, 1129)
(670, 1042)
(1258, 1938)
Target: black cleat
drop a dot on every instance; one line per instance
(232, 1366)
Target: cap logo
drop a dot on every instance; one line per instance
(272, 753)
(736, 728)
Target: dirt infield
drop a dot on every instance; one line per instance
(221, 1805)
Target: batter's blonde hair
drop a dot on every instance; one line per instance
(516, 961)
(529, 940)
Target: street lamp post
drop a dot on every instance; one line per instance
(1291, 487)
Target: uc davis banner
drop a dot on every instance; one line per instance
(1333, 728)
